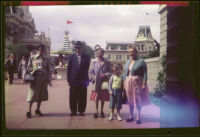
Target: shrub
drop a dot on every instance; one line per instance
(160, 89)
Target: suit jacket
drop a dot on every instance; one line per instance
(11, 67)
(77, 75)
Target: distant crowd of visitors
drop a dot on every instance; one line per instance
(110, 82)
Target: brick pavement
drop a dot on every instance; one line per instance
(56, 111)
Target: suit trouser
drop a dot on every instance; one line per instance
(11, 75)
(78, 98)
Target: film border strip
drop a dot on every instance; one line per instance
(46, 3)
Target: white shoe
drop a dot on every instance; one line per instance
(119, 118)
(110, 118)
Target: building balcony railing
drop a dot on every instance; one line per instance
(20, 21)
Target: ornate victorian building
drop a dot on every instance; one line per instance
(117, 52)
(144, 40)
(20, 29)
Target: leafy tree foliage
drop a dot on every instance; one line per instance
(160, 89)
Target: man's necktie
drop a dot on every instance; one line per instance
(79, 59)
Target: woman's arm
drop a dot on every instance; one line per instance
(91, 72)
(110, 84)
(144, 67)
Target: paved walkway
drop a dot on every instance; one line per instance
(56, 111)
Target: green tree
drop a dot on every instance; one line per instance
(160, 88)
(154, 53)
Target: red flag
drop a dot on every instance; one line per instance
(69, 22)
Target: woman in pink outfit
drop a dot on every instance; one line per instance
(136, 84)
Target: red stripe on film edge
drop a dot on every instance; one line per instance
(41, 3)
(168, 3)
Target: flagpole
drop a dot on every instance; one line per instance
(66, 27)
(68, 22)
(49, 31)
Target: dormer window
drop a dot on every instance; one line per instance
(142, 47)
(141, 35)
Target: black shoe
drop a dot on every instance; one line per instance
(130, 119)
(28, 114)
(102, 115)
(81, 114)
(138, 121)
(95, 115)
(72, 114)
(38, 112)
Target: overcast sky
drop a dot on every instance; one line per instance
(95, 24)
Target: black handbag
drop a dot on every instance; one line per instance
(28, 77)
(124, 98)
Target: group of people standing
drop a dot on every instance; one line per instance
(11, 67)
(99, 71)
(109, 82)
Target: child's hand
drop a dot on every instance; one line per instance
(110, 92)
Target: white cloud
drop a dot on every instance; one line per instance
(96, 24)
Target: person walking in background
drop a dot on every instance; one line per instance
(115, 90)
(22, 68)
(38, 66)
(98, 72)
(61, 60)
(33, 52)
(136, 84)
(77, 78)
(11, 65)
(6, 67)
(52, 70)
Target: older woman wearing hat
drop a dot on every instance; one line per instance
(99, 70)
(38, 66)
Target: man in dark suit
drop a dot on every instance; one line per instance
(77, 78)
(11, 65)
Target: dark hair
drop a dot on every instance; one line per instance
(120, 66)
(117, 67)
